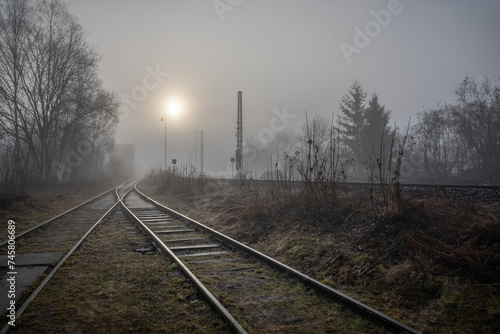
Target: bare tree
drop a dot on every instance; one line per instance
(310, 157)
(477, 117)
(438, 143)
(14, 29)
(51, 98)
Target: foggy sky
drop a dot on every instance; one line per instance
(282, 54)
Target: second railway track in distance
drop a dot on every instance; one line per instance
(256, 293)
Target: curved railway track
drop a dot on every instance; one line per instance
(238, 280)
(41, 250)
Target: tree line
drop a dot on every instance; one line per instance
(456, 142)
(56, 121)
(460, 141)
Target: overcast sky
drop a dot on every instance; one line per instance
(286, 56)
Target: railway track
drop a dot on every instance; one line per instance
(40, 251)
(464, 193)
(252, 291)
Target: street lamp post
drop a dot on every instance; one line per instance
(163, 119)
(232, 168)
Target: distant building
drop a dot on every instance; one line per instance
(123, 161)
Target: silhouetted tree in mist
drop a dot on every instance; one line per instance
(476, 114)
(460, 141)
(56, 117)
(352, 121)
(14, 29)
(376, 134)
(438, 143)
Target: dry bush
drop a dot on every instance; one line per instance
(313, 161)
(471, 248)
(385, 177)
(172, 180)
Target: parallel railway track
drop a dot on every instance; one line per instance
(476, 193)
(43, 249)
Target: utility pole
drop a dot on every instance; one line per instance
(195, 149)
(239, 136)
(201, 153)
(232, 168)
(163, 119)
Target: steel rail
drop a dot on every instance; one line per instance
(134, 181)
(353, 304)
(458, 186)
(59, 264)
(232, 322)
(362, 184)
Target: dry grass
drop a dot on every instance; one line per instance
(434, 263)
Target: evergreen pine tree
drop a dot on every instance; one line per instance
(376, 131)
(352, 121)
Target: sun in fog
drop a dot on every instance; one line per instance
(174, 108)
